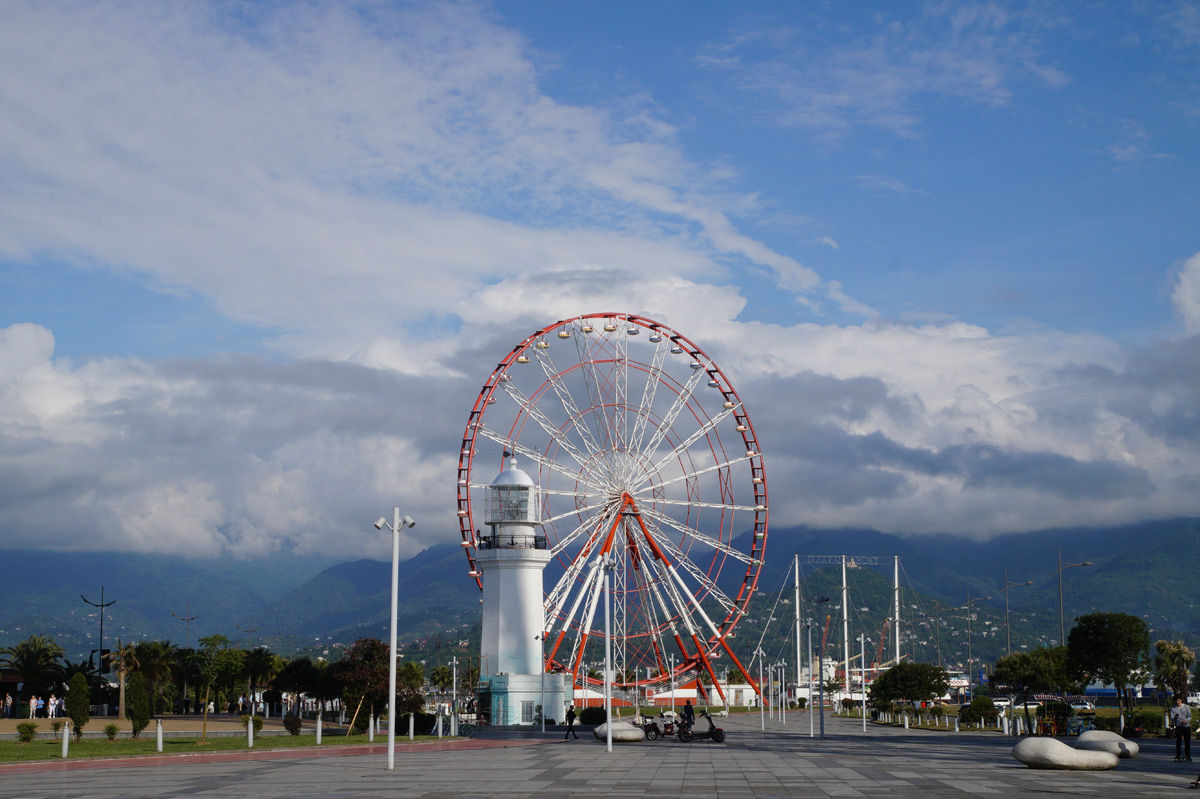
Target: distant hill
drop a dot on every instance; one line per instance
(40, 594)
(295, 604)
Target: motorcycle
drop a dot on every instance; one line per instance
(653, 732)
(714, 733)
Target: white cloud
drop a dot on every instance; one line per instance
(314, 156)
(1186, 296)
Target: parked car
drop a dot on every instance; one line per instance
(1083, 704)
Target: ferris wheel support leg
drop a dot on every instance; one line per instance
(708, 667)
(749, 680)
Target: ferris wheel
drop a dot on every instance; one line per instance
(648, 466)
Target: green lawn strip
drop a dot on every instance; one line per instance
(17, 752)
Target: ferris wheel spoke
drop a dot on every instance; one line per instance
(561, 591)
(692, 532)
(688, 475)
(677, 406)
(556, 435)
(569, 406)
(649, 392)
(699, 576)
(528, 452)
(591, 382)
(697, 504)
(579, 530)
(686, 444)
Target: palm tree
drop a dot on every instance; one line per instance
(39, 662)
(441, 677)
(260, 665)
(126, 660)
(156, 662)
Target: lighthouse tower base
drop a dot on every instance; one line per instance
(515, 698)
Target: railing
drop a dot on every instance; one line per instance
(513, 542)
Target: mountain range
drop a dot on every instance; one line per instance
(298, 605)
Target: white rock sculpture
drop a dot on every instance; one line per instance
(621, 731)
(1107, 741)
(1053, 754)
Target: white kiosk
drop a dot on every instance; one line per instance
(511, 560)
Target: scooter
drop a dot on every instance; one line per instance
(653, 732)
(713, 732)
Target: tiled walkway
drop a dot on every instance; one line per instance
(782, 762)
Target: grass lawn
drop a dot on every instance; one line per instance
(15, 751)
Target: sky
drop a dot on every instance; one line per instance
(256, 259)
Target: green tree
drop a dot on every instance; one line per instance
(126, 659)
(261, 664)
(441, 678)
(297, 677)
(410, 688)
(915, 682)
(1110, 647)
(39, 661)
(137, 703)
(79, 702)
(156, 663)
(217, 663)
(364, 672)
(1027, 673)
(1173, 662)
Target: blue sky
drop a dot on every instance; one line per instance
(975, 224)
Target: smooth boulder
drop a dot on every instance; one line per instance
(621, 731)
(1107, 741)
(1049, 753)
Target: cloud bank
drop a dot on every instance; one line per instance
(388, 195)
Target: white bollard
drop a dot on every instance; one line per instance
(439, 725)
(411, 726)
(906, 721)
(370, 728)
(158, 735)
(66, 733)
(1004, 724)
(1122, 722)
(318, 727)
(956, 723)
(250, 733)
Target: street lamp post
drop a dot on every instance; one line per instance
(395, 527)
(809, 624)
(1007, 628)
(970, 674)
(101, 605)
(862, 681)
(758, 654)
(821, 670)
(607, 564)
(1063, 566)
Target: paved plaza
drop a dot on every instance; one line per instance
(781, 762)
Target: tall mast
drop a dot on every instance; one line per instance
(845, 624)
(796, 568)
(896, 590)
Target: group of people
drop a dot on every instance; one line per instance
(42, 707)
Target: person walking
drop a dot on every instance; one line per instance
(570, 724)
(689, 713)
(1180, 717)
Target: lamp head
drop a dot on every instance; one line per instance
(408, 521)
(380, 522)
(1087, 563)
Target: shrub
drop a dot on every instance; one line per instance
(137, 703)
(1110, 723)
(258, 722)
(111, 731)
(78, 703)
(56, 726)
(26, 731)
(849, 704)
(1149, 719)
(802, 702)
(980, 709)
(592, 715)
(292, 724)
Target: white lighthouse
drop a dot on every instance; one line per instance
(512, 558)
